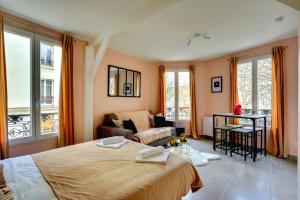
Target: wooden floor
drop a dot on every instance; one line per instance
(230, 178)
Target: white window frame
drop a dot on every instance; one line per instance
(176, 83)
(254, 60)
(35, 67)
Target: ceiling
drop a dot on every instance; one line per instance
(159, 29)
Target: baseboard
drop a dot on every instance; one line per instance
(291, 157)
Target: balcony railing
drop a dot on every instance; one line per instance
(260, 122)
(183, 113)
(47, 62)
(20, 126)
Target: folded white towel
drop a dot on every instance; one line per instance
(161, 158)
(146, 153)
(113, 140)
(113, 146)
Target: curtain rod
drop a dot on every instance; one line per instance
(246, 56)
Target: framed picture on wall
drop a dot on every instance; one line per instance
(216, 84)
(127, 88)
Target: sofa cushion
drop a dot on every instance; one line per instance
(128, 124)
(159, 121)
(139, 118)
(154, 134)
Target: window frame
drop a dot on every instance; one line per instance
(176, 83)
(253, 60)
(35, 79)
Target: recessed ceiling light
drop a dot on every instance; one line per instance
(279, 19)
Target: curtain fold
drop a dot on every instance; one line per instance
(3, 95)
(162, 85)
(66, 108)
(193, 115)
(277, 135)
(234, 98)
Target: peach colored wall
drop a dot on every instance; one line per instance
(32, 147)
(149, 91)
(219, 102)
(78, 78)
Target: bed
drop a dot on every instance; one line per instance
(86, 171)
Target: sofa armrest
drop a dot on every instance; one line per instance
(170, 123)
(107, 131)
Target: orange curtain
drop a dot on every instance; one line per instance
(234, 98)
(193, 116)
(162, 83)
(277, 136)
(66, 109)
(3, 95)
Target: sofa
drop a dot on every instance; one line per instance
(146, 134)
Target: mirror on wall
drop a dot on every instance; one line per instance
(123, 82)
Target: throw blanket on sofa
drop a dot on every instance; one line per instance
(85, 171)
(153, 134)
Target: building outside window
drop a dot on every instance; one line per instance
(47, 88)
(47, 54)
(32, 85)
(255, 86)
(177, 95)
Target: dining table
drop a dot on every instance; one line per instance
(253, 118)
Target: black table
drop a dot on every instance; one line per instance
(253, 118)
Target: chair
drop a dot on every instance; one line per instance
(224, 142)
(239, 140)
(258, 132)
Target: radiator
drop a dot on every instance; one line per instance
(208, 126)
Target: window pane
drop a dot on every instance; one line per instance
(50, 79)
(244, 71)
(18, 62)
(264, 87)
(183, 96)
(170, 95)
(47, 54)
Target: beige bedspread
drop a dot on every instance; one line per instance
(85, 171)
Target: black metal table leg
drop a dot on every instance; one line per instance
(214, 133)
(254, 147)
(265, 136)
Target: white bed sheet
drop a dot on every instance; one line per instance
(25, 179)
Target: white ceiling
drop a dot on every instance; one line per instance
(158, 29)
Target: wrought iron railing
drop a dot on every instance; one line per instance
(47, 62)
(20, 126)
(183, 113)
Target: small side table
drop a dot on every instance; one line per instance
(180, 129)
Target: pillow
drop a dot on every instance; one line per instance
(128, 124)
(159, 121)
(151, 119)
(118, 123)
(159, 114)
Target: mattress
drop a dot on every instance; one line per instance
(25, 179)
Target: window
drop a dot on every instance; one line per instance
(177, 95)
(47, 92)
(47, 54)
(255, 86)
(32, 88)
